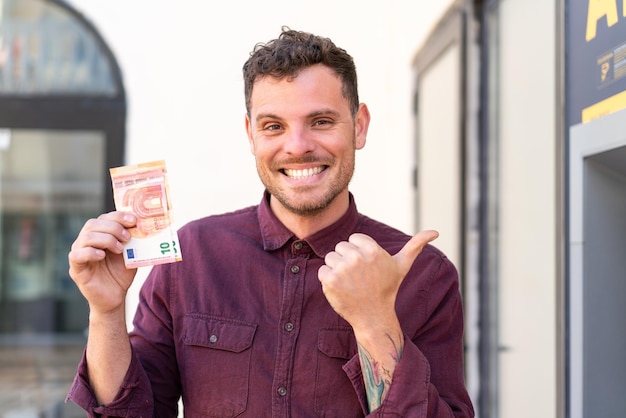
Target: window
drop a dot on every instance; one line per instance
(62, 125)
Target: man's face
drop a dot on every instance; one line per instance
(304, 138)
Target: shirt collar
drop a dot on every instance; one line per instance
(275, 234)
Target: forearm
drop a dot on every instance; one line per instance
(108, 354)
(380, 350)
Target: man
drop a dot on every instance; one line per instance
(297, 307)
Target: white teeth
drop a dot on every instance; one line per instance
(308, 172)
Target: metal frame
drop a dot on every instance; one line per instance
(490, 344)
(579, 149)
(75, 112)
(562, 164)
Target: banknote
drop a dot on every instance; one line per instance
(143, 190)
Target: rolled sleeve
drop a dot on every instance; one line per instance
(428, 381)
(408, 395)
(134, 398)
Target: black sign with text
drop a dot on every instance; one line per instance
(596, 58)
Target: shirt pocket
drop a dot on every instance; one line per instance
(334, 394)
(215, 368)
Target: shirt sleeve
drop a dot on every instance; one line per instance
(134, 398)
(428, 382)
(151, 387)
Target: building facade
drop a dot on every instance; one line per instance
(500, 123)
(523, 105)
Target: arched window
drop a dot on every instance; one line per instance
(62, 125)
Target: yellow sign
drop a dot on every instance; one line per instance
(606, 106)
(599, 9)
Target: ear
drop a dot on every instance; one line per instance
(249, 133)
(361, 125)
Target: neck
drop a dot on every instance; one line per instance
(306, 225)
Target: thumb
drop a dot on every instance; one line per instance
(407, 255)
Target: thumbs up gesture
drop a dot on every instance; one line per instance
(361, 280)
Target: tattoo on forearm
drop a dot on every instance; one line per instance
(377, 378)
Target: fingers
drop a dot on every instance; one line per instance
(360, 249)
(106, 233)
(357, 247)
(407, 255)
(357, 243)
(360, 279)
(361, 245)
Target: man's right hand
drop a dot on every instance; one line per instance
(97, 265)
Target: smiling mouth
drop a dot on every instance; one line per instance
(304, 173)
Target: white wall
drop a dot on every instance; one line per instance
(439, 165)
(526, 228)
(527, 235)
(181, 63)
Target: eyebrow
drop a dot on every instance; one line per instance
(324, 112)
(316, 113)
(261, 116)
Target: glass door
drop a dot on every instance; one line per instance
(51, 182)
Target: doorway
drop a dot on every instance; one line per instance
(597, 267)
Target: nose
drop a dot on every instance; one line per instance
(298, 141)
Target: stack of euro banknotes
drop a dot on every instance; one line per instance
(143, 190)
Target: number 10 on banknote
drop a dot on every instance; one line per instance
(143, 190)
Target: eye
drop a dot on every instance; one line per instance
(271, 127)
(322, 122)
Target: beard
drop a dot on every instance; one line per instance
(304, 200)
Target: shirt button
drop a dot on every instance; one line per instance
(282, 391)
(295, 269)
(213, 339)
(297, 245)
(289, 326)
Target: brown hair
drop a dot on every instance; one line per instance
(293, 51)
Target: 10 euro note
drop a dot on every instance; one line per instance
(143, 190)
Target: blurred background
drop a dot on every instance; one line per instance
(500, 123)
